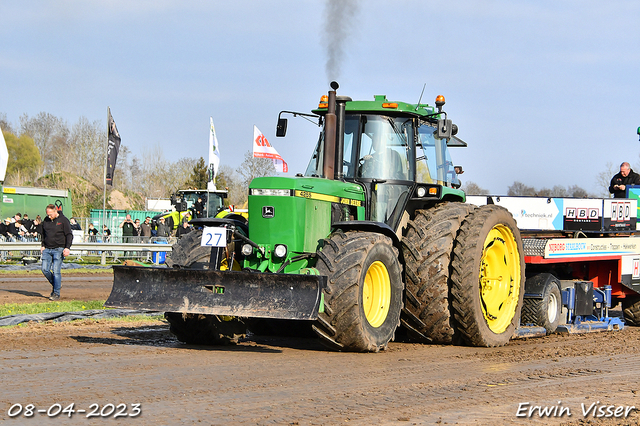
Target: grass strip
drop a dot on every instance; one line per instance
(63, 271)
(38, 308)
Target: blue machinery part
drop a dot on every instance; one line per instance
(582, 316)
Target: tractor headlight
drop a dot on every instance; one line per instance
(421, 191)
(280, 250)
(247, 249)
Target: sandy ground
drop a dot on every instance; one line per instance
(295, 381)
(34, 288)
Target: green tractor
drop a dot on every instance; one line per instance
(374, 237)
(184, 202)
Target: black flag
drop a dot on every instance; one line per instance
(112, 149)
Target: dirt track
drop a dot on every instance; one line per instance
(295, 381)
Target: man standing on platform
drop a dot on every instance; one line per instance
(56, 244)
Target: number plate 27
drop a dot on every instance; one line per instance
(214, 237)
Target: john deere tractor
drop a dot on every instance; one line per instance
(373, 237)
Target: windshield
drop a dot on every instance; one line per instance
(211, 202)
(433, 162)
(383, 151)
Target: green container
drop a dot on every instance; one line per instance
(33, 201)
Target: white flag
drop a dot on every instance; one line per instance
(263, 149)
(4, 157)
(214, 157)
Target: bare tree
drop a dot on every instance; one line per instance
(558, 191)
(519, 188)
(48, 132)
(471, 188)
(577, 192)
(603, 179)
(85, 153)
(228, 179)
(252, 168)
(5, 125)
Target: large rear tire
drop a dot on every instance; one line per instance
(427, 248)
(363, 298)
(487, 281)
(631, 310)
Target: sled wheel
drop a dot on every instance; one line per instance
(363, 298)
(631, 310)
(427, 248)
(487, 282)
(544, 312)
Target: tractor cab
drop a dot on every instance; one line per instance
(187, 199)
(398, 152)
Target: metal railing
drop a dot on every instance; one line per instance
(114, 248)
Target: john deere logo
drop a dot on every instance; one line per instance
(268, 212)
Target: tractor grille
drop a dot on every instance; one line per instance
(534, 246)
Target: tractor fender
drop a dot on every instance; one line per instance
(370, 226)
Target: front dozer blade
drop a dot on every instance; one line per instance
(244, 294)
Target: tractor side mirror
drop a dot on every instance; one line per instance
(281, 128)
(444, 129)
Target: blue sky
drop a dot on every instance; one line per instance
(543, 92)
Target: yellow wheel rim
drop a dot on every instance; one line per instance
(225, 267)
(499, 278)
(376, 294)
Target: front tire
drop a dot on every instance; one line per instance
(487, 283)
(198, 329)
(363, 298)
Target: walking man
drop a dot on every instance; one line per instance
(56, 244)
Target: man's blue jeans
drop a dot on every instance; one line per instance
(51, 265)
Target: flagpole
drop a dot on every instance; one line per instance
(106, 158)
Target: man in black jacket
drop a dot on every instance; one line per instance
(620, 180)
(56, 244)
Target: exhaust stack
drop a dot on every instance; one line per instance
(330, 122)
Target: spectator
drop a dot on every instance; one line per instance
(137, 231)
(13, 229)
(92, 233)
(199, 208)
(620, 180)
(186, 217)
(145, 229)
(75, 226)
(27, 223)
(22, 231)
(127, 229)
(106, 234)
(4, 229)
(56, 243)
(184, 229)
(37, 228)
(163, 229)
